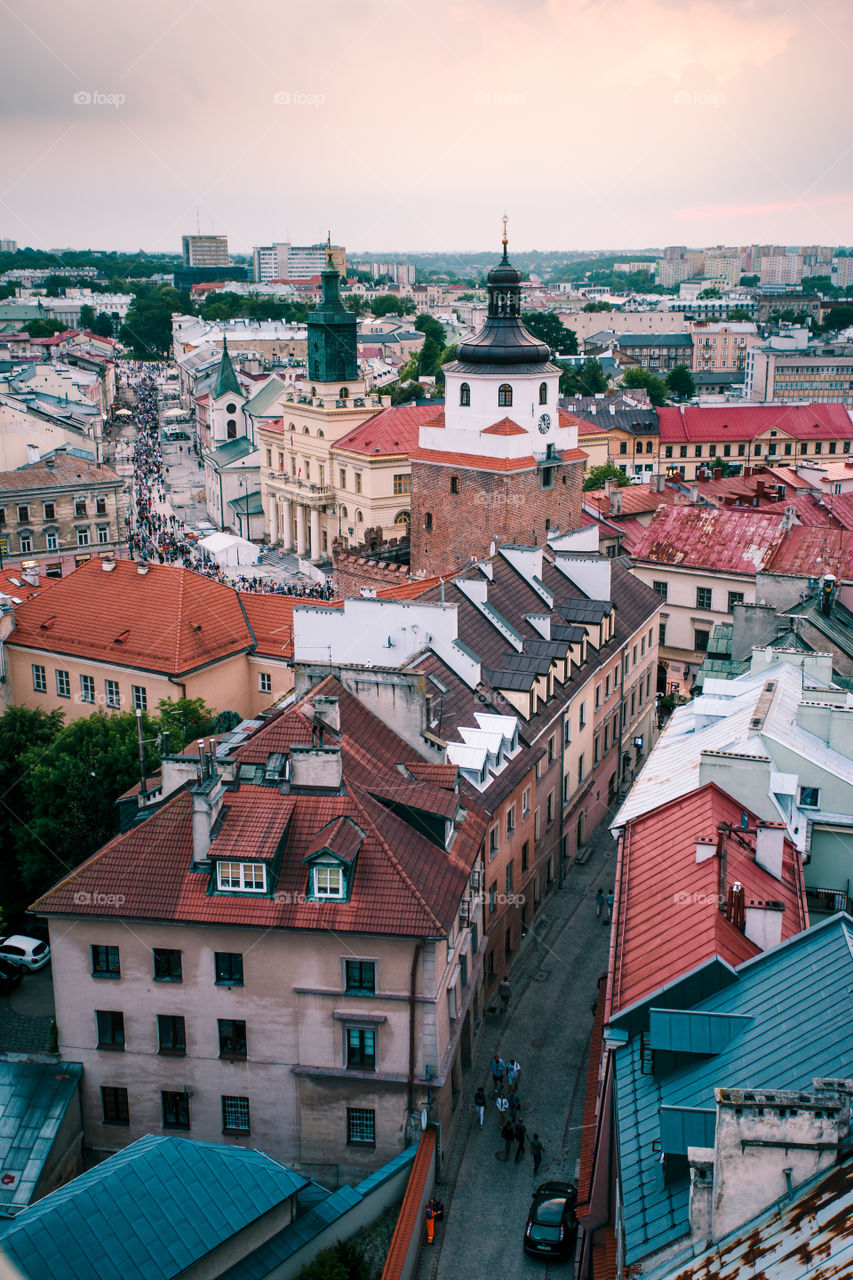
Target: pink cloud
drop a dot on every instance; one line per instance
(697, 213)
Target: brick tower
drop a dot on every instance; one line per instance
(501, 463)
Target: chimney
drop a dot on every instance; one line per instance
(693, 492)
(49, 463)
(770, 847)
(701, 1209)
(142, 568)
(316, 768)
(759, 488)
(32, 453)
(613, 409)
(327, 712)
(107, 564)
(616, 502)
(706, 847)
(30, 575)
(207, 793)
(763, 924)
(609, 486)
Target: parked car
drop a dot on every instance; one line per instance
(552, 1228)
(10, 977)
(27, 953)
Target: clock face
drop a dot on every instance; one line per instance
(544, 423)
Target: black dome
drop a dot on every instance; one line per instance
(503, 339)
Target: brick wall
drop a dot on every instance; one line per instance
(503, 507)
(352, 572)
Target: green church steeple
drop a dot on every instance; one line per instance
(332, 333)
(226, 378)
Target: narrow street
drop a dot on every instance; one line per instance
(547, 1027)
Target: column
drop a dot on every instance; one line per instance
(286, 525)
(300, 530)
(316, 551)
(273, 509)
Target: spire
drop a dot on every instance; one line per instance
(329, 261)
(226, 378)
(504, 240)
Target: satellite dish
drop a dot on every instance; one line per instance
(424, 1117)
(744, 822)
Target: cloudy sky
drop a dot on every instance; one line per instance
(594, 123)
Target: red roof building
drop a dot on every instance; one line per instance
(724, 539)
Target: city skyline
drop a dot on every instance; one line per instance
(591, 124)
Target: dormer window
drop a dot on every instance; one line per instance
(241, 877)
(328, 881)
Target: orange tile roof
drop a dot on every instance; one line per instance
(483, 463)
(271, 619)
(506, 427)
(169, 620)
(408, 590)
(392, 431)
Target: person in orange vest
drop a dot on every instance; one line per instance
(430, 1223)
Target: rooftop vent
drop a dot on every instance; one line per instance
(142, 568)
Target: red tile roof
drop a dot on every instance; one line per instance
(667, 917)
(271, 620)
(12, 584)
(391, 431)
(407, 590)
(809, 552)
(169, 619)
(403, 884)
(55, 472)
(506, 427)
(744, 422)
(635, 498)
(440, 775)
(728, 539)
(483, 463)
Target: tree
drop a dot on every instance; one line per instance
(428, 325)
(87, 317)
(326, 1265)
(103, 325)
(21, 730)
(185, 720)
(54, 286)
(148, 327)
(750, 281)
(680, 382)
(738, 313)
(838, 318)
(429, 357)
(355, 302)
(389, 304)
(597, 306)
(711, 292)
(596, 476)
(44, 328)
(549, 328)
(653, 383)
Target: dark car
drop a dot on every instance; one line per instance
(552, 1228)
(10, 977)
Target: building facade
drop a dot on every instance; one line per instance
(204, 251)
(60, 506)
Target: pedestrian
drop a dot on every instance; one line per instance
(497, 1073)
(513, 1071)
(502, 1105)
(537, 1150)
(609, 901)
(480, 1104)
(520, 1134)
(430, 1223)
(514, 1106)
(508, 1134)
(599, 902)
(504, 991)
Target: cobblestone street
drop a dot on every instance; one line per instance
(547, 1027)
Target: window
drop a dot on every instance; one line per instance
(810, 797)
(82, 537)
(113, 696)
(110, 1026)
(114, 1105)
(171, 1034)
(26, 541)
(358, 482)
(667, 453)
(50, 511)
(51, 539)
(454, 484)
(818, 448)
(623, 446)
(606, 687)
(510, 820)
(328, 881)
(552, 742)
(231, 407)
(493, 841)
(232, 1038)
(549, 807)
(525, 856)
(580, 769)
(505, 395)
(360, 1048)
(758, 450)
(103, 534)
(342, 478)
(735, 597)
(661, 633)
(525, 802)
(167, 965)
(39, 678)
(703, 597)
(428, 521)
(509, 877)
(547, 477)
(493, 897)
(231, 429)
(700, 641)
(138, 697)
(176, 1110)
(741, 451)
(360, 977)
(235, 1114)
(63, 684)
(361, 1127)
(402, 483)
(87, 688)
(23, 515)
(228, 968)
(105, 962)
(269, 457)
(248, 877)
(682, 451)
(582, 715)
(661, 588)
(543, 392)
(264, 682)
(727, 450)
(698, 451)
(465, 394)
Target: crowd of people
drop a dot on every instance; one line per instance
(154, 532)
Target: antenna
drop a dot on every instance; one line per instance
(141, 746)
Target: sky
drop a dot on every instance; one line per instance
(403, 126)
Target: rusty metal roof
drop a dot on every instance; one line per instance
(725, 539)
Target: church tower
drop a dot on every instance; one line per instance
(332, 336)
(501, 463)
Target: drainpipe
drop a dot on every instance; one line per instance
(562, 796)
(419, 946)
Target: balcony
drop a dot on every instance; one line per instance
(826, 901)
(298, 490)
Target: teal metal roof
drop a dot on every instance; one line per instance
(148, 1213)
(248, 504)
(795, 999)
(34, 1099)
(226, 378)
(260, 404)
(233, 450)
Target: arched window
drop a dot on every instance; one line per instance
(343, 393)
(359, 518)
(504, 395)
(344, 513)
(428, 521)
(231, 428)
(543, 392)
(321, 435)
(648, 446)
(465, 394)
(306, 431)
(313, 392)
(402, 517)
(639, 446)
